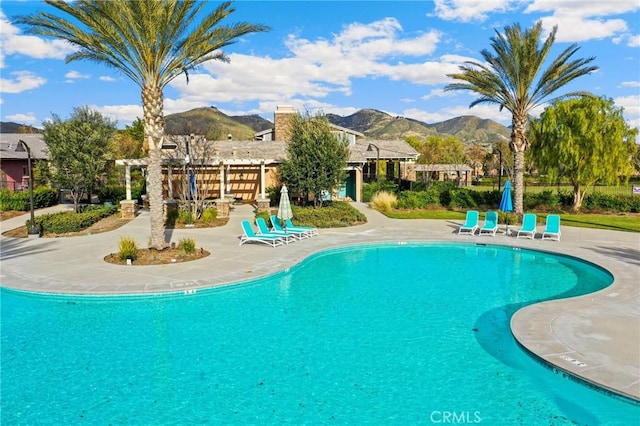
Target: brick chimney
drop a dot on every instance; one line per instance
(281, 122)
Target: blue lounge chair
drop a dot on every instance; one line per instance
(263, 229)
(490, 225)
(250, 235)
(552, 228)
(470, 224)
(528, 228)
(311, 231)
(297, 232)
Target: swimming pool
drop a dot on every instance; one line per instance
(377, 334)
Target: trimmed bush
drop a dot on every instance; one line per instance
(335, 214)
(19, 200)
(127, 248)
(64, 222)
(187, 245)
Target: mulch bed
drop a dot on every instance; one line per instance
(159, 257)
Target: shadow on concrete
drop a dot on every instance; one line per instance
(628, 255)
(16, 247)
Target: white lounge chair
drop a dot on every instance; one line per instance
(528, 228)
(250, 235)
(299, 233)
(490, 226)
(311, 231)
(263, 229)
(552, 228)
(470, 224)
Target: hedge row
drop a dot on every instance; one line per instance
(63, 222)
(464, 198)
(19, 200)
(334, 214)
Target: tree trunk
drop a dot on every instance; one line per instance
(578, 195)
(519, 145)
(154, 131)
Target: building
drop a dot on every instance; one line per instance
(241, 171)
(14, 164)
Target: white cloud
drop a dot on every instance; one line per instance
(23, 81)
(490, 112)
(583, 7)
(121, 113)
(470, 10)
(437, 93)
(582, 20)
(631, 105)
(630, 84)
(634, 41)
(107, 78)
(12, 42)
(573, 28)
(320, 67)
(28, 118)
(73, 75)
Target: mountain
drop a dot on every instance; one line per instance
(10, 127)
(208, 121)
(380, 125)
(256, 122)
(471, 129)
(212, 123)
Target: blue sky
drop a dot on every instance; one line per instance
(337, 57)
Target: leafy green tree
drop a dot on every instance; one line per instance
(316, 157)
(512, 77)
(438, 150)
(584, 140)
(128, 143)
(78, 150)
(152, 43)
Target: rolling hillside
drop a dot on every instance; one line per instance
(215, 125)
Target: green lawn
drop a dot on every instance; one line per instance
(614, 222)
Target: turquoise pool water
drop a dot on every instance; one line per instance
(380, 334)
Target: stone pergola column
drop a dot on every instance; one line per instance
(127, 181)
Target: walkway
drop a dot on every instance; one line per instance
(596, 337)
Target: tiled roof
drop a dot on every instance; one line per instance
(10, 150)
(442, 168)
(276, 151)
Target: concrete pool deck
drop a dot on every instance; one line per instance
(595, 337)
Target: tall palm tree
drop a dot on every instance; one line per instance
(152, 42)
(512, 77)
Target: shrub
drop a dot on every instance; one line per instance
(14, 200)
(64, 222)
(510, 218)
(419, 200)
(370, 189)
(172, 217)
(44, 197)
(19, 200)
(113, 193)
(127, 248)
(209, 215)
(187, 245)
(384, 201)
(334, 215)
(462, 198)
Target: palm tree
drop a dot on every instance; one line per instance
(152, 42)
(513, 78)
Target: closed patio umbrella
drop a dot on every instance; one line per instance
(506, 204)
(284, 208)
